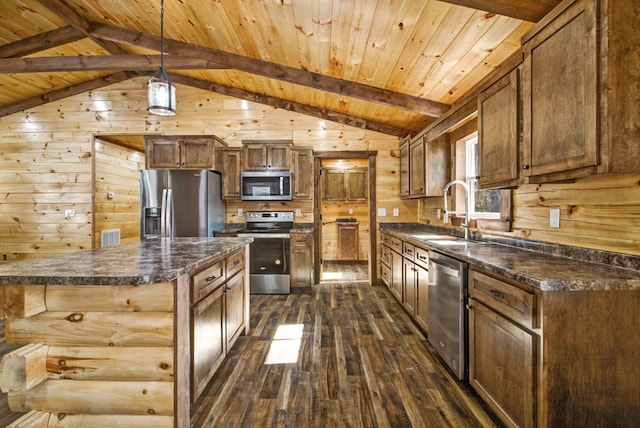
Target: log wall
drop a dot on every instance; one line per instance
(117, 170)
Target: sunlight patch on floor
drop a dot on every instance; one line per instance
(285, 346)
(331, 275)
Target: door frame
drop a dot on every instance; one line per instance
(317, 208)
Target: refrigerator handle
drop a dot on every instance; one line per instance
(163, 214)
(169, 217)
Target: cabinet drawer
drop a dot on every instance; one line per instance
(422, 257)
(385, 239)
(300, 240)
(396, 245)
(408, 251)
(207, 280)
(509, 300)
(235, 263)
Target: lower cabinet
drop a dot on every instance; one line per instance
(503, 348)
(301, 262)
(218, 315)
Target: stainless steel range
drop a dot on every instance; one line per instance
(269, 251)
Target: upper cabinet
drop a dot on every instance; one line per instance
(498, 133)
(580, 91)
(231, 159)
(302, 173)
(266, 155)
(189, 152)
(424, 166)
(345, 185)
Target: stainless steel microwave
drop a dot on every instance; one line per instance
(265, 186)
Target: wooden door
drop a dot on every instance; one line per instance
(333, 188)
(498, 120)
(301, 260)
(356, 184)
(197, 153)
(409, 286)
(348, 245)
(163, 153)
(561, 106)
(502, 364)
(234, 308)
(422, 297)
(416, 174)
(302, 173)
(438, 165)
(254, 156)
(279, 157)
(230, 170)
(396, 275)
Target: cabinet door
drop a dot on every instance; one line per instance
(409, 286)
(417, 178)
(163, 153)
(498, 133)
(396, 275)
(404, 169)
(301, 260)
(254, 156)
(234, 308)
(197, 153)
(230, 169)
(422, 297)
(333, 188)
(279, 157)
(560, 93)
(302, 173)
(438, 165)
(348, 241)
(356, 183)
(208, 345)
(501, 365)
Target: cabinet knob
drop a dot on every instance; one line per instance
(525, 166)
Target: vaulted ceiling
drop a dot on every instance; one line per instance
(392, 66)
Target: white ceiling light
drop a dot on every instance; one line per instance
(161, 93)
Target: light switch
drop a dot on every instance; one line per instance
(69, 213)
(382, 212)
(554, 217)
(240, 212)
(396, 212)
(298, 212)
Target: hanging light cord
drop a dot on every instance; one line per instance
(162, 35)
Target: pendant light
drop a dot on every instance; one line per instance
(161, 93)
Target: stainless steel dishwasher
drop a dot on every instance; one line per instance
(447, 311)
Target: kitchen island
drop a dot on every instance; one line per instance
(111, 336)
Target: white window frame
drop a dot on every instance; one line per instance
(471, 178)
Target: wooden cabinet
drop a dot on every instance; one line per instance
(302, 173)
(421, 313)
(405, 190)
(502, 348)
(266, 155)
(345, 185)
(218, 316)
(301, 260)
(498, 133)
(230, 164)
(424, 167)
(578, 102)
(348, 244)
(189, 152)
(408, 278)
(396, 268)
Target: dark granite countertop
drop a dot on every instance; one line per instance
(144, 262)
(542, 270)
(302, 228)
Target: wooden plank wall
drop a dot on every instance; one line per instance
(46, 157)
(117, 170)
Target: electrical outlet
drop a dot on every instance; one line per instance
(438, 213)
(69, 213)
(554, 217)
(298, 212)
(240, 212)
(382, 212)
(111, 195)
(396, 212)
(350, 210)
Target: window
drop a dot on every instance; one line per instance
(482, 203)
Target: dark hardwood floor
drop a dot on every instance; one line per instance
(359, 362)
(340, 271)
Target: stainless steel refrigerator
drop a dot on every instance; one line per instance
(177, 203)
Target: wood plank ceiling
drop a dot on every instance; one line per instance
(390, 66)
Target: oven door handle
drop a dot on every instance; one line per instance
(265, 235)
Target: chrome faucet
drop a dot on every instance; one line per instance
(465, 225)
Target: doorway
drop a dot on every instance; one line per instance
(344, 216)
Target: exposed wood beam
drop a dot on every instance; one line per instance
(67, 92)
(527, 10)
(289, 105)
(273, 71)
(102, 63)
(71, 17)
(40, 42)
